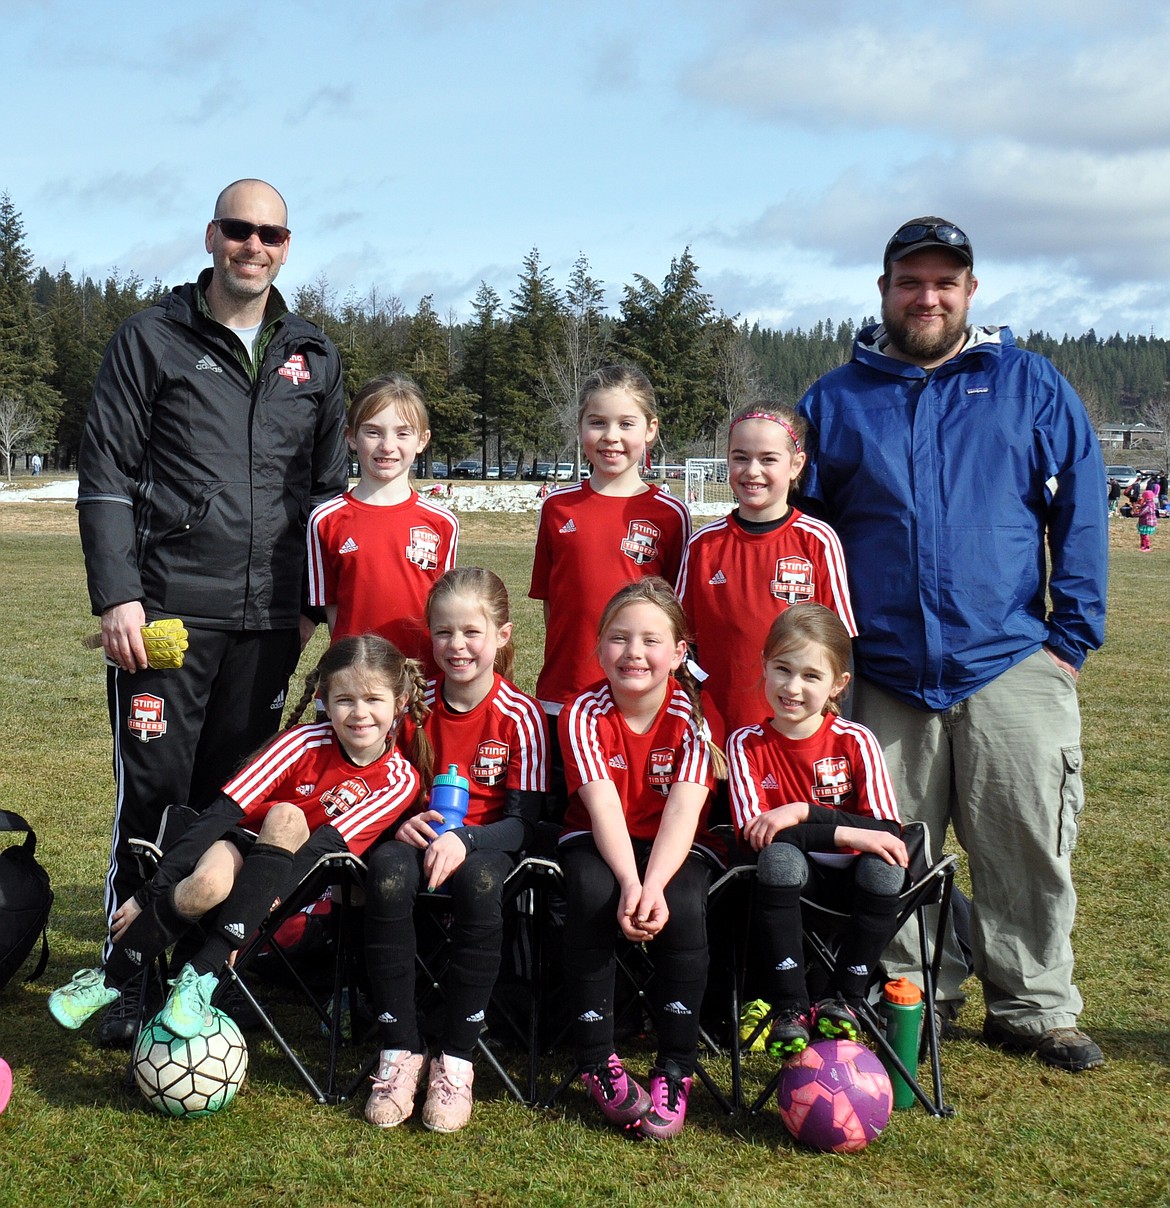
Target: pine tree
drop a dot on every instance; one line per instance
(26, 356)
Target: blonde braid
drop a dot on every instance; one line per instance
(694, 692)
(422, 751)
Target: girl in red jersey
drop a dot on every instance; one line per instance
(322, 787)
(496, 737)
(812, 798)
(740, 571)
(375, 552)
(639, 771)
(598, 534)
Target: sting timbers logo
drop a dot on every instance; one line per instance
(641, 541)
(146, 719)
(344, 796)
(423, 549)
(295, 369)
(491, 760)
(794, 580)
(832, 784)
(660, 769)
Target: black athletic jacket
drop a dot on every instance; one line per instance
(198, 471)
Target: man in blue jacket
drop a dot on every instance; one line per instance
(951, 461)
(215, 427)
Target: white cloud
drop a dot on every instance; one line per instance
(1053, 87)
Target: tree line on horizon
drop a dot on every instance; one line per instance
(503, 384)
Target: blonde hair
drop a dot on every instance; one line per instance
(816, 625)
(488, 592)
(376, 662)
(655, 590)
(379, 393)
(619, 377)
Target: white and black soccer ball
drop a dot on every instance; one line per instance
(191, 1077)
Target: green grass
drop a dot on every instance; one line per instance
(1023, 1134)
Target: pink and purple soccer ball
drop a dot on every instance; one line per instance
(5, 1083)
(835, 1096)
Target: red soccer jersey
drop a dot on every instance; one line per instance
(377, 565)
(587, 547)
(499, 745)
(307, 767)
(598, 745)
(840, 766)
(733, 584)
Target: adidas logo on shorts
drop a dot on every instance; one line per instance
(717, 579)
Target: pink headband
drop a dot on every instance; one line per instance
(775, 419)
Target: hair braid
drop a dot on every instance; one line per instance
(298, 710)
(690, 685)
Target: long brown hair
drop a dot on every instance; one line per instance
(655, 590)
(815, 625)
(376, 661)
(486, 590)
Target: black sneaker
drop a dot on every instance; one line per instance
(1067, 1049)
(121, 1020)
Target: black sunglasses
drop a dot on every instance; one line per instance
(239, 231)
(949, 236)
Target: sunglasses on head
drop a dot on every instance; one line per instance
(949, 236)
(239, 231)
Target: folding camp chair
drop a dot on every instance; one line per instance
(930, 884)
(344, 876)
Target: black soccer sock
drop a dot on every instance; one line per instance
(263, 878)
(870, 928)
(781, 946)
(154, 930)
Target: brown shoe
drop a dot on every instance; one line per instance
(1067, 1049)
(396, 1085)
(448, 1105)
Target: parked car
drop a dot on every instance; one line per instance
(539, 470)
(563, 472)
(438, 469)
(493, 471)
(470, 467)
(1124, 474)
(508, 470)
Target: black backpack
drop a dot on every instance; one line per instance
(25, 899)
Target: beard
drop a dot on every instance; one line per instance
(924, 346)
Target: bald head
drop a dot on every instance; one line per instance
(246, 191)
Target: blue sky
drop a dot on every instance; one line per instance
(426, 145)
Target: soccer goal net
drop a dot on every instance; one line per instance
(708, 491)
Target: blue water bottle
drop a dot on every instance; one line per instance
(449, 795)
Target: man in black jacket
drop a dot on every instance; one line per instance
(216, 425)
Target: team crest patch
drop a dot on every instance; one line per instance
(794, 580)
(660, 769)
(832, 784)
(490, 763)
(423, 549)
(641, 541)
(146, 719)
(295, 369)
(344, 796)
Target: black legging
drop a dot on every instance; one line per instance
(476, 896)
(679, 953)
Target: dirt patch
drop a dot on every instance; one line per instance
(38, 518)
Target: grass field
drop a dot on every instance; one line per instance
(1022, 1135)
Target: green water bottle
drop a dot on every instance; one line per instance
(902, 1009)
